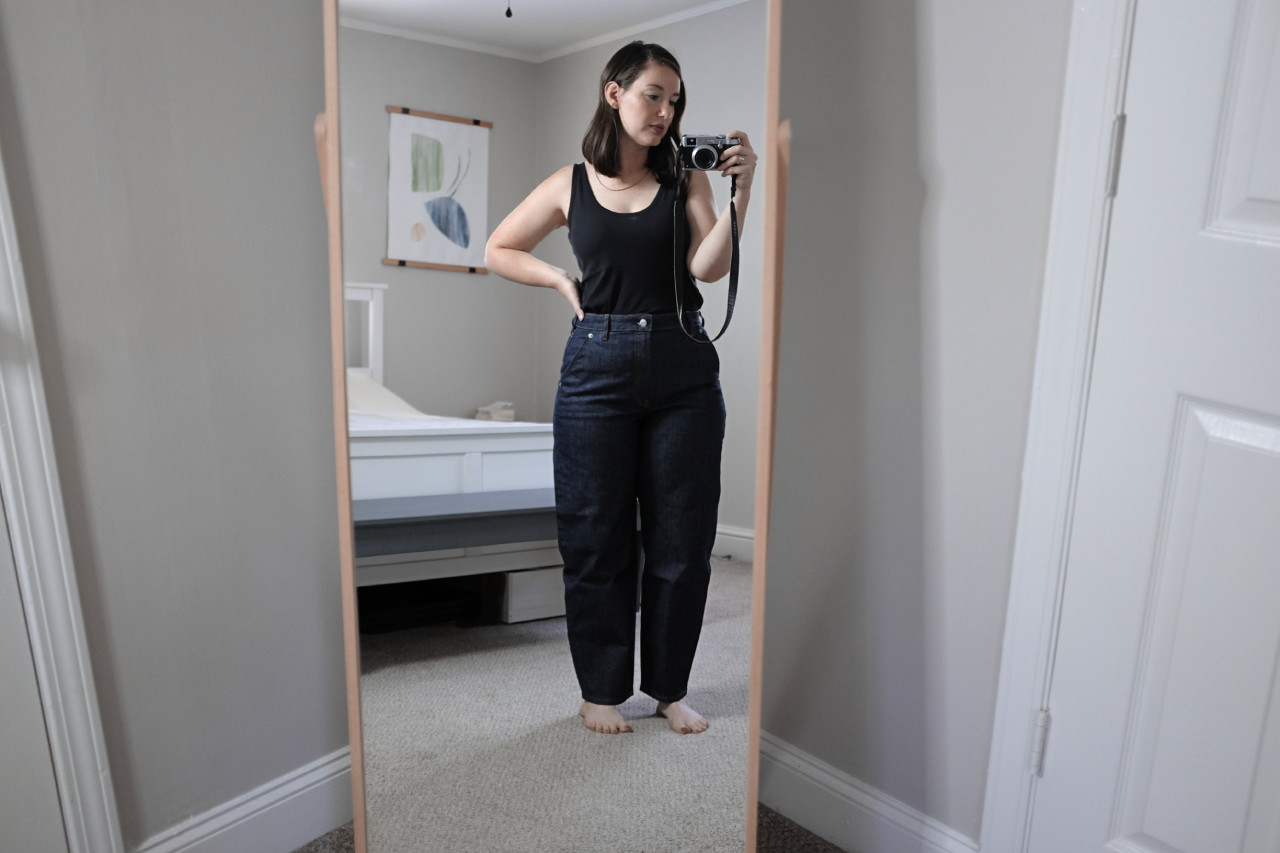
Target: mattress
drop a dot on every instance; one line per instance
(399, 451)
(374, 409)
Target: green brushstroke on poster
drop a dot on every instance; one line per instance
(427, 159)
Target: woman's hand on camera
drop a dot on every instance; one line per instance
(711, 235)
(740, 161)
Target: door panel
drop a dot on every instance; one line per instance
(1165, 731)
(1205, 695)
(1246, 188)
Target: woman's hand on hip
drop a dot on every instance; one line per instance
(571, 289)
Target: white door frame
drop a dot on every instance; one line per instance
(1088, 145)
(34, 511)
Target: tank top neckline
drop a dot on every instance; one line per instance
(591, 190)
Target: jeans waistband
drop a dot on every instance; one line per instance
(639, 322)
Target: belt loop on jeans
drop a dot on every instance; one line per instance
(608, 325)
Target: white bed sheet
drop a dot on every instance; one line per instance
(375, 410)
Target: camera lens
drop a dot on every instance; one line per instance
(704, 157)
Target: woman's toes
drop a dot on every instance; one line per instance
(603, 719)
(682, 719)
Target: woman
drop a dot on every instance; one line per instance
(639, 415)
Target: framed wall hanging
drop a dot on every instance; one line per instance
(437, 191)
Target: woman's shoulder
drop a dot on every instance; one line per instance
(560, 182)
(556, 191)
(563, 175)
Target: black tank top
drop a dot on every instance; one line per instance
(626, 258)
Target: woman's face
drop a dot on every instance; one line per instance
(647, 108)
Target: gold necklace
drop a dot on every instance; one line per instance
(643, 175)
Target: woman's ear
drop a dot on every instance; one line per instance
(612, 91)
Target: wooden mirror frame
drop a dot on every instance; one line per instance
(777, 154)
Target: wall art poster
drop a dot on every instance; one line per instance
(437, 191)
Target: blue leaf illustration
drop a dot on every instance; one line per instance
(448, 216)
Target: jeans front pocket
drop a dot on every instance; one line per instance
(701, 353)
(573, 348)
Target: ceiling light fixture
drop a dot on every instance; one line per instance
(508, 8)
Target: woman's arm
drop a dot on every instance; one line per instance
(711, 237)
(508, 251)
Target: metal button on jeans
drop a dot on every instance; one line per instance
(644, 323)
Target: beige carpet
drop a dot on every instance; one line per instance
(472, 743)
(774, 834)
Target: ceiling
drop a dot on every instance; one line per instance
(536, 31)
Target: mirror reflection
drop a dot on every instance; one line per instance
(469, 694)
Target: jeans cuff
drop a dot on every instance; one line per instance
(596, 701)
(652, 695)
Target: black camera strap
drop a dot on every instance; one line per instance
(681, 261)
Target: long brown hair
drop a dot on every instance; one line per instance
(600, 144)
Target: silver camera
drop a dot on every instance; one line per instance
(703, 152)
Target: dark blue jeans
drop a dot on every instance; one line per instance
(639, 417)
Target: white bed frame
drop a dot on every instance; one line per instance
(447, 460)
(373, 297)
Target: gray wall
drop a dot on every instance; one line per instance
(454, 341)
(164, 183)
(921, 180)
(29, 815)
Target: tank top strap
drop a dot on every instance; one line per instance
(580, 184)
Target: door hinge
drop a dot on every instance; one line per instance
(1038, 739)
(1117, 146)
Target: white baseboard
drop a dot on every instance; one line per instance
(736, 542)
(848, 813)
(277, 817)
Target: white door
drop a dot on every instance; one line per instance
(1165, 688)
(30, 814)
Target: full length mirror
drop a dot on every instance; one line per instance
(471, 738)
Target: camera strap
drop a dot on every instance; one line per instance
(681, 262)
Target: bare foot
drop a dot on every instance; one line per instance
(604, 719)
(682, 719)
